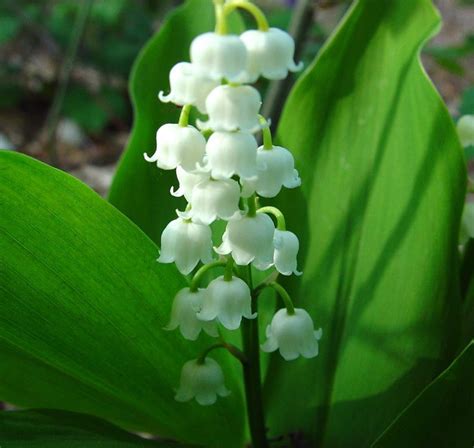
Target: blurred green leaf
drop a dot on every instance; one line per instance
(82, 311)
(450, 57)
(82, 107)
(108, 12)
(139, 189)
(378, 216)
(9, 27)
(94, 111)
(54, 429)
(467, 102)
(442, 415)
(10, 95)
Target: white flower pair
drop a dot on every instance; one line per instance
(235, 58)
(223, 301)
(227, 302)
(254, 239)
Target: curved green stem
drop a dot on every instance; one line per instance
(202, 271)
(255, 11)
(279, 216)
(252, 375)
(285, 297)
(267, 134)
(184, 116)
(232, 349)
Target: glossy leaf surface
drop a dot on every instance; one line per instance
(58, 429)
(378, 215)
(442, 414)
(83, 308)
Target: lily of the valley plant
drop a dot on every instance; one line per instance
(320, 268)
(222, 173)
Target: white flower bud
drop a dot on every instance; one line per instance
(293, 335)
(269, 54)
(202, 381)
(465, 129)
(276, 168)
(230, 153)
(212, 199)
(183, 315)
(231, 108)
(188, 86)
(227, 302)
(467, 223)
(286, 249)
(177, 145)
(185, 243)
(187, 181)
(219, 56)
(249, 239)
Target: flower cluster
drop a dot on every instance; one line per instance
(222, 172)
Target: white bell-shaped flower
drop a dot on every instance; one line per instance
(219, 56)
(269, 54)
(465, 128)
(231, 108)
(249, 240)
(292, 334)
(227, 301)
(178, 145)
(183, 315)
(276, 168)
(212, 199)
(187, 181)
(188, 86)
(286, 250)
(186, 243)
(230, 153)
(202, 381)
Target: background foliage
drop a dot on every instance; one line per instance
(378, 216)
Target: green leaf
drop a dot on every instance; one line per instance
(442, 414)
(467, 102)
(81, 106)
(378, 216)
(82, 311)
(48, 428)
(139, 189)
(9, 28)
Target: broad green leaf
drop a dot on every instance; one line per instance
(139, 189)
(47, 428)
(82, 311)
(378, 215)
(443, 413)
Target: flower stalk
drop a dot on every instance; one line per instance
(232, 349)
(252, 376)
(255, 11)
(222, 173)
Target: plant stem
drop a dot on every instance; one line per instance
(54, 113)
(254, 10)
(252, 206)
(232, 349)
(280, 217)
(267, 135)
(253, 391)
(184, 116)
